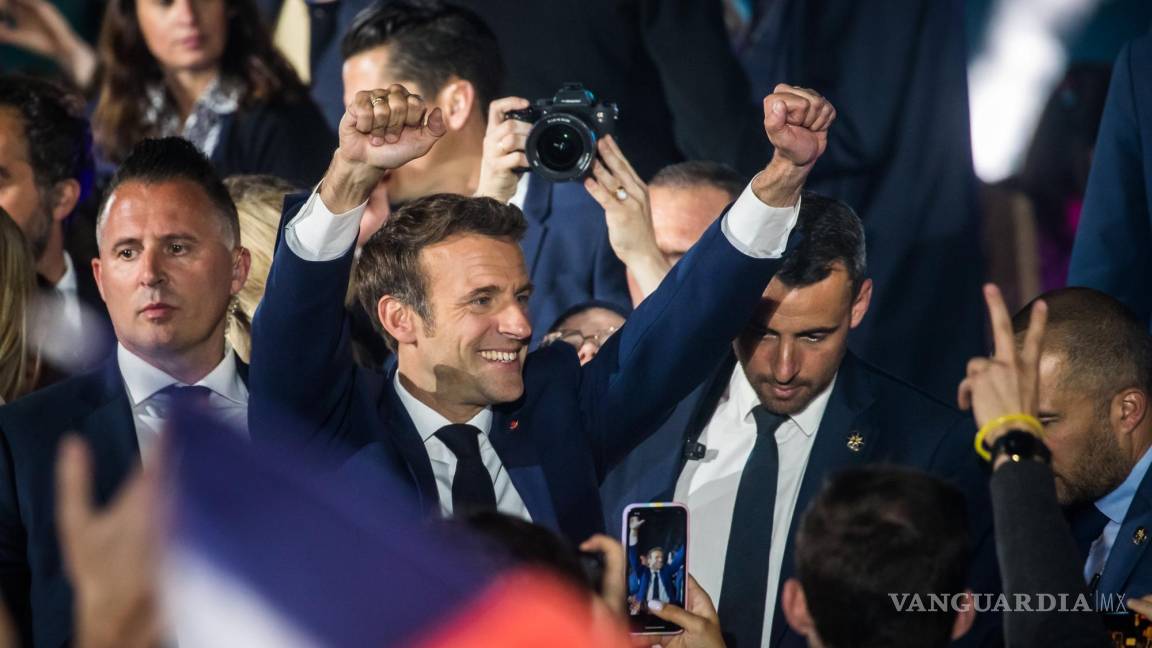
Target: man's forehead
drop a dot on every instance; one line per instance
(475, 260)
(13, 143)
(823, 301)
(177, 201)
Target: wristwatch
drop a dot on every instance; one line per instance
(1019, 445)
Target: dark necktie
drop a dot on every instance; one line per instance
(187, 396)
(472, 490)
(745, 585)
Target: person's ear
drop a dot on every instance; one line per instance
(458, 100)
(861, 303)
(965, 617)
(795, 606)
(1129, 409)
(65, 195)
(398, 318)
(96, 274)
(241, 264)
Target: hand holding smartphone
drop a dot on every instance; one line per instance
(656, 542)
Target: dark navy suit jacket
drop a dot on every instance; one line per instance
(94, 405)
(896, 423)
(567, 252)
(558, 440)
(1129, 567)
(1113, 239)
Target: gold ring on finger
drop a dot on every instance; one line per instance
(378, 100)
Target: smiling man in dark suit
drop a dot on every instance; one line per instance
(469, 417)
(789, 406)
(170, 262)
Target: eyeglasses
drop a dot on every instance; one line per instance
(577, 338)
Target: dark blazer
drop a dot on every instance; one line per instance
(558, 440)
(1129, 566)
(1037, 555)
(896, 423)
(1115, 231)
(567, 252)
(631, 53)
(900, 155)
(94, 405)
(289, 140)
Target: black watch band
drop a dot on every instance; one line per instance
(1019, 445)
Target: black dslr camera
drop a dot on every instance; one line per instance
(562, 143)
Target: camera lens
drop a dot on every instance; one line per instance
(560, 147)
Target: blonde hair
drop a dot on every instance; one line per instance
(259, 199)
(19, 360)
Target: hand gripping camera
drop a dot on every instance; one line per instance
(562, 143)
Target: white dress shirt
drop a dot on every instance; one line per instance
(708, 486)
(428, 421)
(521, 194)
(228, 400)
(66, 329)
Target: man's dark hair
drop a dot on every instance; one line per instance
(429, 42)
(1104, 345)
(830, 233)
(585, 306)
(878, 531)
(508, 542)
(173, 158)
(56, 132)
(390, 260)
(696, 173)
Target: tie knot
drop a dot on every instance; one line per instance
(462, 439)
(187, 395)
(767, 422)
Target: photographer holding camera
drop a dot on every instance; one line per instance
(451, 58)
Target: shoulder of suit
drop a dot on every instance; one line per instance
(55, 407)
(898, 395)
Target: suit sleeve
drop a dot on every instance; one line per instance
(1113, 238)
(670, 343)
(302, 377)
(714, 113)
(15, 579)
(1038, 556)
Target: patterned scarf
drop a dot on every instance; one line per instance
(204, 123)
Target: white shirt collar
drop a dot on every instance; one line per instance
(67, 282)
(517, 198)
(143, 380)
(427, 420)
(745, 399)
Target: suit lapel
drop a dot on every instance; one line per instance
(404, 437)
(842, 428)
(110, 432)
(1131, 541)
(537, 209)
(521, 458)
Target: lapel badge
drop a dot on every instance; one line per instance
(513, 424)
(1139, 536)
(855, 442)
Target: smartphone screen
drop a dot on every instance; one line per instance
(656, 541)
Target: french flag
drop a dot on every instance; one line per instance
(267, 549)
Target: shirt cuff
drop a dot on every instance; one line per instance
(316, 234)
(758, 230)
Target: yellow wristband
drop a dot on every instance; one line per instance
(1026, 420)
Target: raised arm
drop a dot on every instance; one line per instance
(679, 333)
(302, 375)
